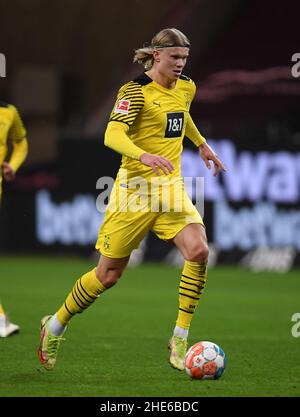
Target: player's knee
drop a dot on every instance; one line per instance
(109, 277)
(197, 253)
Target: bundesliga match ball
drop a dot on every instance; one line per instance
(205, 360)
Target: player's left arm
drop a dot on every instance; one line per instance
(20, 148)
(208, 154)
(205, 151)
(192, 133)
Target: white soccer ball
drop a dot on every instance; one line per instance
(205, 360)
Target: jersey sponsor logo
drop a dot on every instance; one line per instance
(122, 106)
(174, 125)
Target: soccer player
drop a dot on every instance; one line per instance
(11, 127)
(147, 126)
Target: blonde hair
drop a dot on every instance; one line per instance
(166, 38)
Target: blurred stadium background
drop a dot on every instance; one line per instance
(65, 61)
(64, 65)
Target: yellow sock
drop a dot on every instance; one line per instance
(1, 310)
(85, 291)
(191, 287)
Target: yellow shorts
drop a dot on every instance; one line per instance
(124, 228)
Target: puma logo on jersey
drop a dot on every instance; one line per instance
(157, 103)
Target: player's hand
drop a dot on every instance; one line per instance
(156, 163)
(207, 154)
(8, 172)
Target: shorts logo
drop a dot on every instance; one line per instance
(122, 107)
(106, 243)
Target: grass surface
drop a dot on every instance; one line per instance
(118, 347)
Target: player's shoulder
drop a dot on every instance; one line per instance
(187, 85)
(8, 107)
(187, 81)
(142, 79)
(135, 85)
(186, 78)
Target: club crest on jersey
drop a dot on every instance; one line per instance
(122, 107)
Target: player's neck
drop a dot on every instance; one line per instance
(161, 79)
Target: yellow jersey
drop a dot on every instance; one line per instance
(158, 118)
(148, 118)
(11, 127)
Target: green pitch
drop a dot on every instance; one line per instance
(118, 347)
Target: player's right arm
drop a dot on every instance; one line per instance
(117, 139)
(20, 147)
(129, 103)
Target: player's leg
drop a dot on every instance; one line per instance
(183, 226)
(192, 243)
(6, 327)
(88, 288)
(120, 233)
(85, 291)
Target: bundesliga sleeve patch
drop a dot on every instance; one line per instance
(122, 107)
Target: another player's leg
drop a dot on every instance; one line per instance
(85, 291)
(6, 327)
(192, 243)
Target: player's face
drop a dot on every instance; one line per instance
(171, 61)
